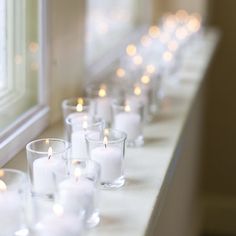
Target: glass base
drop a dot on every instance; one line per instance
(93, 221)
(118, 183)
(138, 142)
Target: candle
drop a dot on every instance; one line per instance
(45, 169)
(77, 194)
(103, 105)
(128, 122)
(110, 160)
(10, 211)
(59, 224)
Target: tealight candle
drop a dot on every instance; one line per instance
(109, 153)
(44, 171)
(129, 120)
(46, 162)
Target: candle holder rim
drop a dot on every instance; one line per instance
(67, 146)
(22, 173)
(100, 141)
(98, 122)
(73, 107)
(122, 107)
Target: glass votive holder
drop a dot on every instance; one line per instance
(108, 150)
(76, 108)
(129, 118)
(46, 158)
(76, 131)
(57, 222)
(78, 193)
(101, 101)
(13, 193)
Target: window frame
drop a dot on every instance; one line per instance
(32, 122)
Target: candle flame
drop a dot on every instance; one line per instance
(105, 141)
(2, 173)
(131, 50)
(80, 104)
(47, 141)
(120, 73)
(102, 91)
(168, 56)
(145, 79)
(154, 31)
(150, 69)
(50, 152)
(3, 186)
(137, 90)
(127, 108)
(138, 60)
(58, 210)
(80, 101)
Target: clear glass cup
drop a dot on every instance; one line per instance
(76, 130)
(46, 158)
(108, 150)
(128, 117)
(101, 100)
(13, 195)
(78, 192)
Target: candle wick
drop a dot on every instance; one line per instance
(49, 157)
(105, 145)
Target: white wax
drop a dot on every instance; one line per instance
(110, 160)
(10, 213)
(66, 225)
(78, 117)
(78, 143)
(45, 172)
(77, 196)
(103, 108)
(130, 123)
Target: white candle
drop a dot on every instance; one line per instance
(130, 123)
(77, 195)
(10, 211)
(110, 160)
(59, 224)
(45, 170)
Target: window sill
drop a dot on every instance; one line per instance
(161, 176)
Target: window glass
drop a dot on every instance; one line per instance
(19, 66)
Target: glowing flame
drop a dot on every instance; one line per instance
(131, 50)
(102, 91)
(3, 186)
(127, 108)
(2, 173)
(50, 152)
(167, 56)
(105, 141)
(137, 90)
(58, 210)
(79, 106)
(47, 141)
(145, 79)
(120, 72)
(150, 69)
(154, 31)
(138, 60)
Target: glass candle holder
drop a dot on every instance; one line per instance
(101, 101)
(108, 150)
(76, 108)
(76, 130)
(46, 158)
(78, 192)
(13, 186)
(128, 117)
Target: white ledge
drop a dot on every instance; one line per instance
(130, 210)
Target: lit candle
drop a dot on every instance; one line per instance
(45, 170)
(59, 224)
(103, 105)
(110, 160)
(77, 195)
(128, 122)
(10, 210)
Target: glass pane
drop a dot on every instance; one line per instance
(108, 22)
(19, 59)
